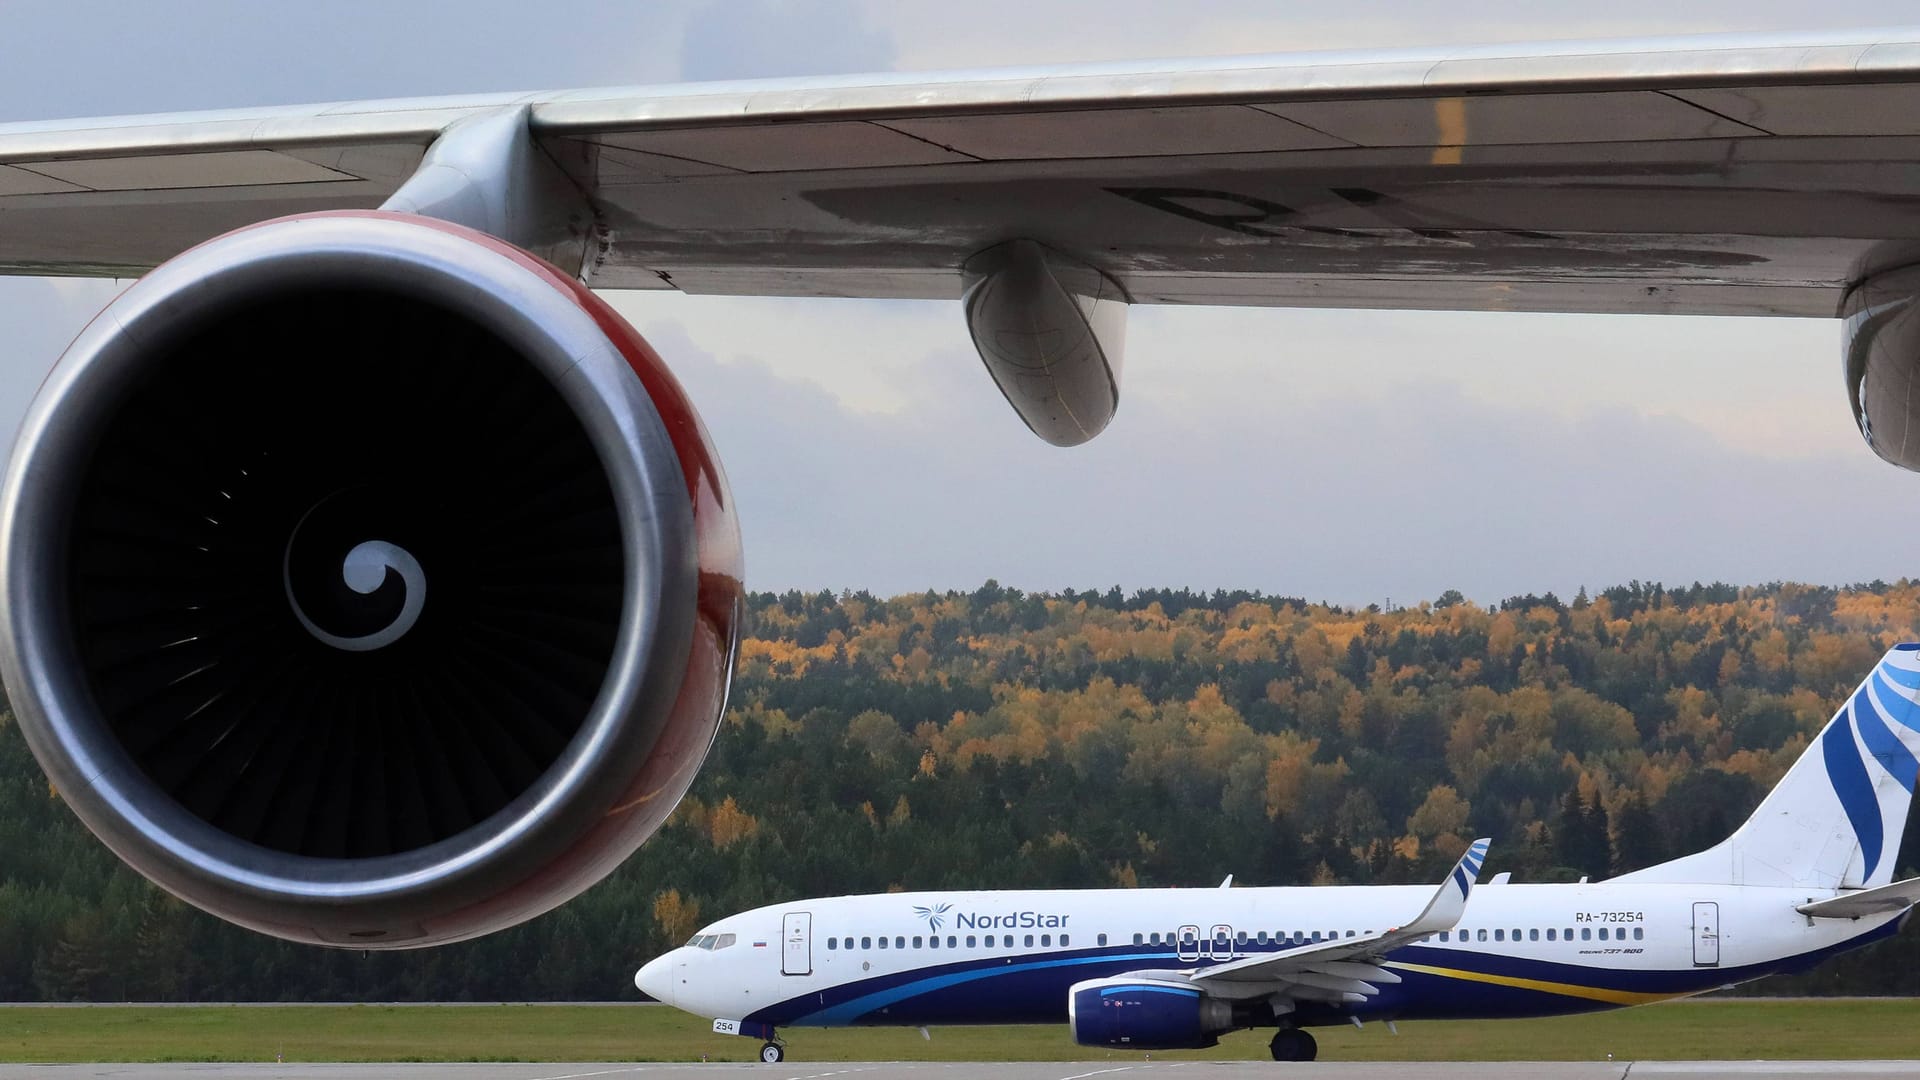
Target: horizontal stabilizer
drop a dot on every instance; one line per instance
(1854, 905)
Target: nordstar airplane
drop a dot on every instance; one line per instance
(367, 581)
(1810, 874)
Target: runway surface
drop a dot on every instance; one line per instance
(1085, 1070)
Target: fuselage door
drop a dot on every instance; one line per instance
(1189, 947)
(1706, 934)
(796, 943)
(1220, 942)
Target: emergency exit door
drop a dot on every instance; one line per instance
(796, 943)
(1706, 935)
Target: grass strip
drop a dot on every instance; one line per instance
(1677, 1031)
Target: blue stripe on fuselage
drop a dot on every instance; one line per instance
(1033, 989)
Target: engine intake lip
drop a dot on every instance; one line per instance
(386, 898)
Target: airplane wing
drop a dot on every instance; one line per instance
(1724, 175)
(1348, 969)
(1884, 900)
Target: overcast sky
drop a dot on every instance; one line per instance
(1350, 456)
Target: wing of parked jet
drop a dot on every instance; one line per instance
(1348, 969)
(1723, 174)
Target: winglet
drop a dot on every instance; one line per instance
(1447, 905)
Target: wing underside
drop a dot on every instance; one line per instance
(1704, 175)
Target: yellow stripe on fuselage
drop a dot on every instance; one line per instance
(1591, 993)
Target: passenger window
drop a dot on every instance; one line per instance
(933, 942)
(1483, 935)
(1603, 934)
(1533, 935)
(900, 942)
(1499, 935)
(952, 942)
(1550, 934)
(1046, 940)
(1156, 938)
(1567, 933)
(1029, 941)
(1006, 941)
(1241, 937)
(1639, 933)
(1444, 935)
(1586, 933)
(1350, 933)
(916, 941)
(1063, 940)
(1139, 939)
(866, 943)
(832, 944)
(883, 943)
(970, 941)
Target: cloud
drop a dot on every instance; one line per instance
(741, 39)
(61, 58)
(41, 317)
(998, 32)
(1403, 492)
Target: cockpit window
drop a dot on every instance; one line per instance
(710, 941)
(724, 941)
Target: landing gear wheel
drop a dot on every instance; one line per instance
(773, 1053)
(1292, 1044)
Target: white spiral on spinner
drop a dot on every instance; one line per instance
(364, 570)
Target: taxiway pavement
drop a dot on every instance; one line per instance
(1085, 1070)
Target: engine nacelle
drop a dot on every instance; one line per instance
(369, 582)
(1883, 363)
(1146, 1014)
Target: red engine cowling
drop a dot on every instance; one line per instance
(369, 582)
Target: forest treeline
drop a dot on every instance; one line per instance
(997, 738)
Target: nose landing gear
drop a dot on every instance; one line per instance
(773, 1053)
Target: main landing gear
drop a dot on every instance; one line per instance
(773, 1053)
(1292, 1044)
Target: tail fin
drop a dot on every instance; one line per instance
(1834, 821)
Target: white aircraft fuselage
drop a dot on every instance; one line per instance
(1519, 950)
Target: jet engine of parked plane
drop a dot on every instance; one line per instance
(369, 582)
(1140, 1014)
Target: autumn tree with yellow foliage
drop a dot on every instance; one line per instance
(999, 739)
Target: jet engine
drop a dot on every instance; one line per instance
(1147, 1014)
(1883, 363)
(368, 581)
